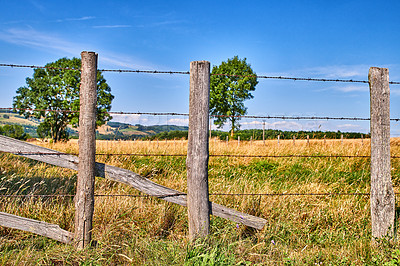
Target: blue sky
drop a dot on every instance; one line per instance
(322, 39)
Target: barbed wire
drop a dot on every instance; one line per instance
(210, 155)
(211, 116)
(185, 194)
(187, 73)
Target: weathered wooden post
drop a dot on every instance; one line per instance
(308, 140)
(341, 139)
(264, 133)
(197, 154)
(382, 195)
(84, 199)
(294, 140)
(324, 139)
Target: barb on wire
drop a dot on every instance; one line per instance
(144, 71)
(33, 66)
(148, 113)
(38, 110)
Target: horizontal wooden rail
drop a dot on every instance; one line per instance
(52, 231)
(124, 176)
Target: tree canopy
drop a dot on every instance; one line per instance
(54, 89)
(231, 83)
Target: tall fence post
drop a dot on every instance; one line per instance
(84, 199)
(197, 155)
(382, 194)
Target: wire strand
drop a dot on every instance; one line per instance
(187, 73)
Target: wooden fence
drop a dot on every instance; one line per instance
(197, 198)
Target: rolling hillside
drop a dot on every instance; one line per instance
(111, 130)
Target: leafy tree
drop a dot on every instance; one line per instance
(56, 88)
(14, 131)
(231, 83)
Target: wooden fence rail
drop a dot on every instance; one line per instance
(123, 176)
(52, 231)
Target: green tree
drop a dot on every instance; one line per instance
(56, 88)
(14, 131)
(231, 83)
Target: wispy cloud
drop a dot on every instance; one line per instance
(350, 127)
(129, 119)
(394, 92)
(112, 26)
(160, 24)
(330, 72)
(76, 19)
(53, 43)
(35, 39)
(359, 88)
(179, 121)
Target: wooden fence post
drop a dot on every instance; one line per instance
(308, 140)
(264, 133)
(279, 136)
(197, 154)
(294, 140)
(84, 199)
(382, 194)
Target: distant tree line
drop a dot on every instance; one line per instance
(257, 134)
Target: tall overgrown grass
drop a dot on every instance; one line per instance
(313, 230)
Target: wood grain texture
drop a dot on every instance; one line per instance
(382, 194)
(197, 159)
(84, 199)
(123, 176)
(37, 227)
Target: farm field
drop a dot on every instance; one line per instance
(300, 229)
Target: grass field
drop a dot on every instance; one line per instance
(311, 230)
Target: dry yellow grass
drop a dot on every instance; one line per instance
(300, 229)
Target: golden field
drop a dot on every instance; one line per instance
(313, 230)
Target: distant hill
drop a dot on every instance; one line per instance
(117, 130)
(111, 130)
